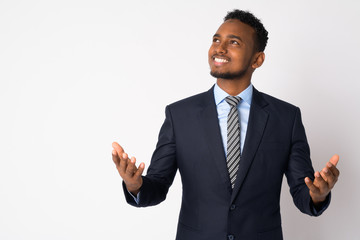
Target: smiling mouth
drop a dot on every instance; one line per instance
(220, 60)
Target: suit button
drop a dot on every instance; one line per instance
(232, 207)
(231, 237)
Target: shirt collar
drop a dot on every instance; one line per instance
(245, 95)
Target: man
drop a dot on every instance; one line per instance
(232, 145)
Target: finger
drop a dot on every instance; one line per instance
(333, 169)
(329, 177)
(115, 157)
(124, 157)
(320, 183)
(333, 175)
(325, 173)
(311, 185)
(331, 180)
(334, 159)
(140, 170)
(123, 164)
(118, 148)
(131, 168)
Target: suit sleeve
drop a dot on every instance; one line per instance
(299, 167)
(162, 169)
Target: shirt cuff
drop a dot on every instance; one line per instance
(136, 198)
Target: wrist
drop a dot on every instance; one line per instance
(134, 189)
(318, 201)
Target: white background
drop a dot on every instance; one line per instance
(77, 75)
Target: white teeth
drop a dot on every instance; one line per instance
(220, 60)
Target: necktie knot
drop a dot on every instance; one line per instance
(233, 101)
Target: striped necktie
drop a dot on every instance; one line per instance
(233, 138)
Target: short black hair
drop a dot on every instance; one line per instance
(249, 19)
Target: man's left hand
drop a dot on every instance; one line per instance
(324, 181)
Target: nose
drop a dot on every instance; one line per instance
(222, 48)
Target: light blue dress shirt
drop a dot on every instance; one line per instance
(223, 109)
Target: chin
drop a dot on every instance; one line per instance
(227, 75)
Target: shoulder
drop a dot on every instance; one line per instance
(273, 104)
(264, 99)
(277, 101)
(195, 101)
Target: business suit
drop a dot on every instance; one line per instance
(190, 141)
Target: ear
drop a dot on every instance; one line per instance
(259, 59)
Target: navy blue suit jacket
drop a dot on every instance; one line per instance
(190, 141)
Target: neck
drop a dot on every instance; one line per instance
(232, 87)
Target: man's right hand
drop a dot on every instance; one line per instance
(127, 169)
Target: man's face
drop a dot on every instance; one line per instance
(232, 50)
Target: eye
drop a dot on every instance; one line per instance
(234, 42)
(216, 40)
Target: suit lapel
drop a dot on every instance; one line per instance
(211, 130)
(256, 126)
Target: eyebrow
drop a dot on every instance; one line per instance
(229, 36)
